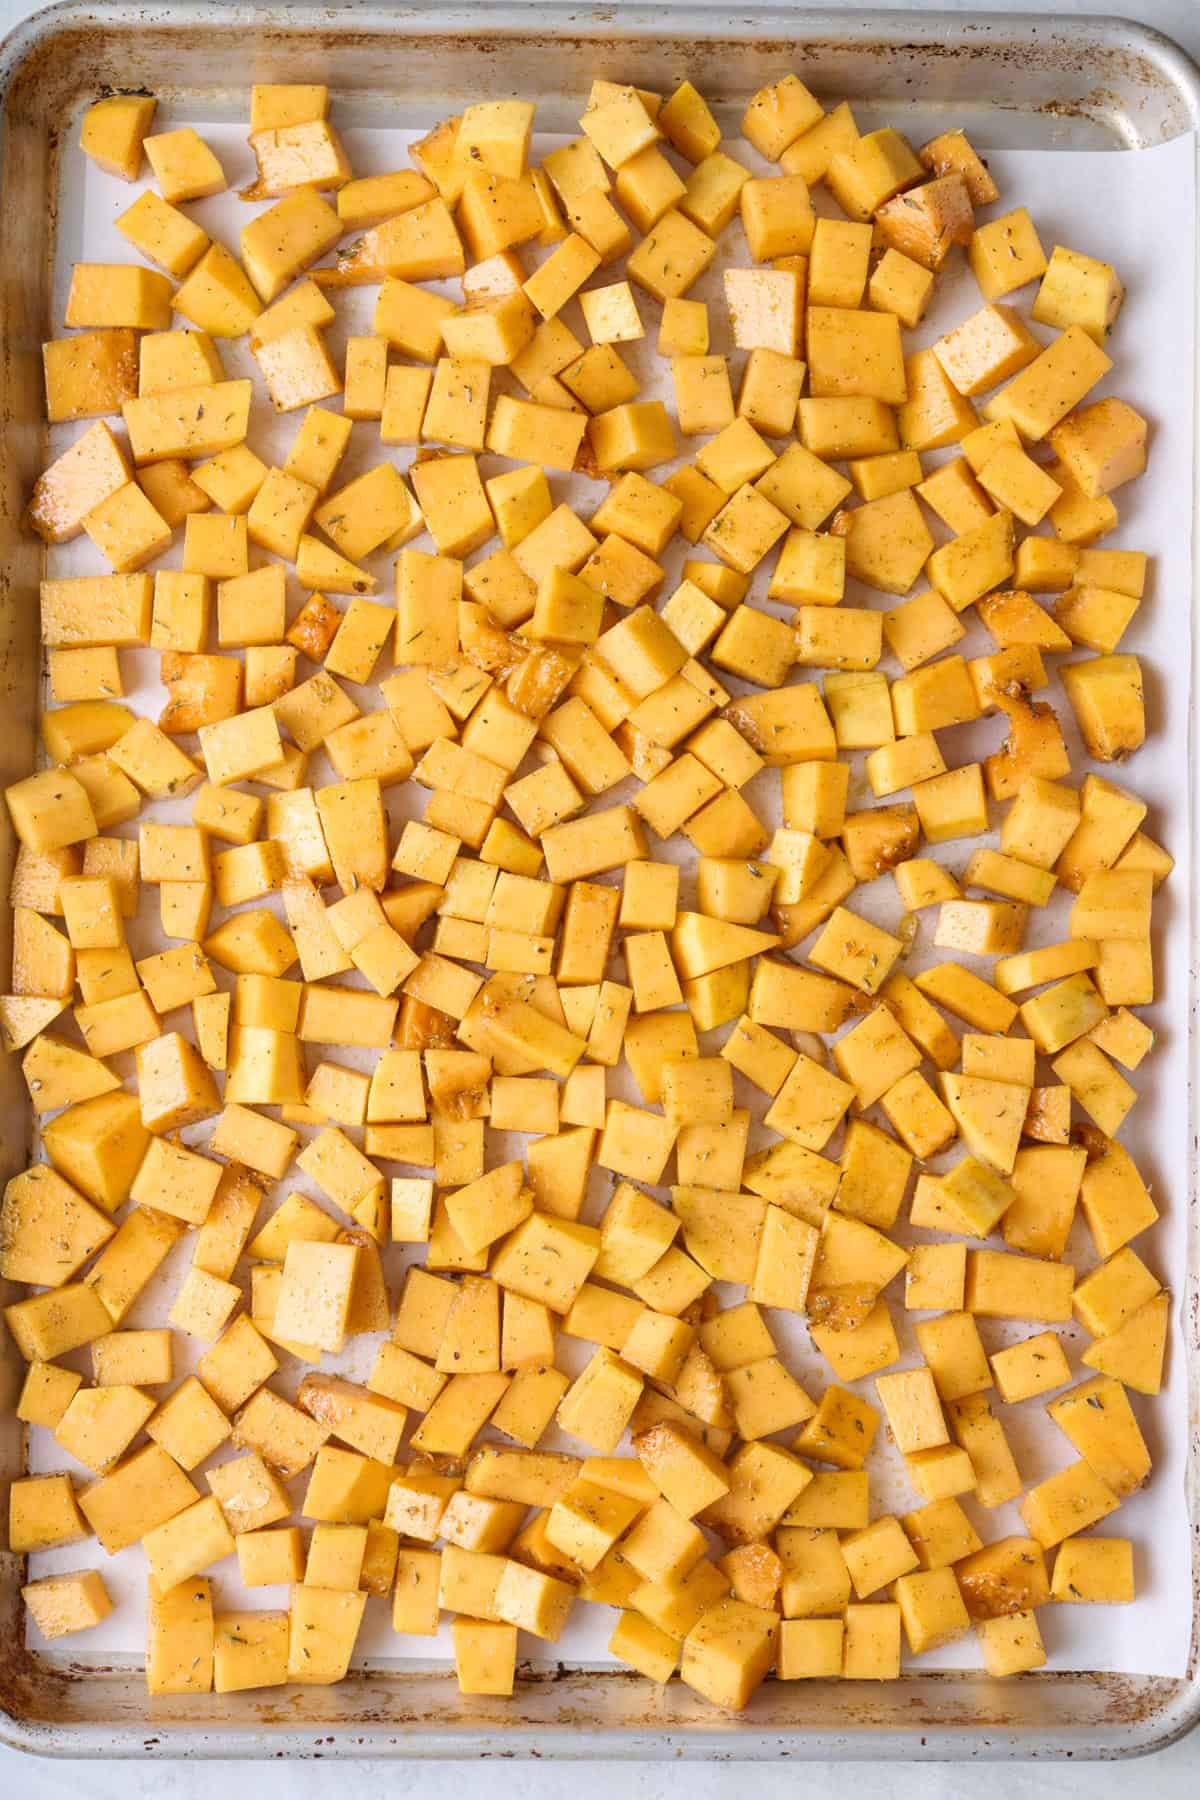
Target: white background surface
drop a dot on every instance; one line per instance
(1173, 1773)
(1115, 206)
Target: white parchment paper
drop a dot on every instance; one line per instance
(1138, 211)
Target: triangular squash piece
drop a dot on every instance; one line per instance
(787, 1252)
(834, 884)
(853, 1254)
(490, 1207)
(57, 1074)
(854, 1264)
(412, 525)
(265, 1282)
(558, 1169)
(471, 1340)
(421, 244)
(22, 1016)
(47, 1230)
(43, 959)
(799, 1180)
(518, 1027)
(700, 944)
(318, 565)
(1116, 1202)
(701, 1389)
(1097, 1419)
(369, 1309)
(373, 1214)
(990, 1115)
(1134, 1354)
(721, 1230)
(977, 1195)
(1015, 618)
(297, 1219)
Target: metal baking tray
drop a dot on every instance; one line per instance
(1015, 81)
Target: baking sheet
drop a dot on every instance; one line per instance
(1138, 211)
